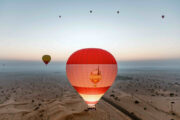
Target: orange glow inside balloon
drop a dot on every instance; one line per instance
(91, 72)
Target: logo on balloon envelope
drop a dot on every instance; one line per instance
(95, 76)
(91, 72)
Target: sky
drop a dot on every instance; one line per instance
(30, 29)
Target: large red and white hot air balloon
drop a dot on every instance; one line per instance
(91, 72)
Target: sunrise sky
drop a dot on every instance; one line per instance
(29, 29)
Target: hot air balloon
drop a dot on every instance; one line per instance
(91, 72)
(118, 12)
(46, 59)
(90, 11)
(59, 16)
(162, 16)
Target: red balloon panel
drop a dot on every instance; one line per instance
(91, 56)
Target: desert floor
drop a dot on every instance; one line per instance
(149, 95)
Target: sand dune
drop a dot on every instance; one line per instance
(49, 96)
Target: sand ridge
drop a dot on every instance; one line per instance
(49, 96)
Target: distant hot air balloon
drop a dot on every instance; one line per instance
(91, 72)
(59, 16)
(118, 12)
(162, 16)
(90, 11)
(46, 59)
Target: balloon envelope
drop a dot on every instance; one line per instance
(91, 72)
(162, 16)
(46, 59)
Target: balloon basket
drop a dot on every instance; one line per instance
(91, 107)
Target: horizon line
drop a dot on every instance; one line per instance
(137, 60)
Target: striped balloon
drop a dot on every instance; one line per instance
(91, 72)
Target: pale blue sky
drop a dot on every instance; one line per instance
(29, 29)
